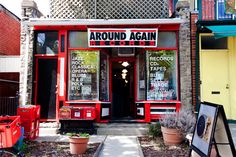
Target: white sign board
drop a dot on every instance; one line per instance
(127, 37)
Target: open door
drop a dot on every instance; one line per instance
(122, 90)
(46, 78)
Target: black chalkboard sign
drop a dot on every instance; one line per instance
(212, 136)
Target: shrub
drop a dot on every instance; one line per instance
(154, 130)
(184, 120)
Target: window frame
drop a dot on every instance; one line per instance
(36, 32)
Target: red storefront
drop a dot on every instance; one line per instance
(106, 69)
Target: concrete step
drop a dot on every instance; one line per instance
(126, 129)
(48, 128)
(48, 131)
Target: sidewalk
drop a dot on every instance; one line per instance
(115, 146)
(64, 138)
(121, 146)
(232, 128)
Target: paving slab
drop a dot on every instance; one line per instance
(64, 138)
(232, 127)
(121, 146)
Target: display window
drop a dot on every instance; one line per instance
(161, 75)
(78, 39)
(47, 42)
(83, 79)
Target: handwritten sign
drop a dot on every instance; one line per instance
(162, 68)
(83, 69)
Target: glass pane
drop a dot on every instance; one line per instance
(166, 39)
(141, 76)
(104, 77)
(47, 43)
(210, 42)
(161, 75)
(78, 39)
(83, 75)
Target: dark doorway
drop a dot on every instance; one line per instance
(46, 87)
(122, 90)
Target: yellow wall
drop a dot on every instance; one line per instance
(232, 75)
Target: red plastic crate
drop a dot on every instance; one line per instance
(76, 113)
(27, 112)
(89, 113)
(10, 130)
(30, 135)
(36, 133)
(36, 124)
(37, 111)
(28, 125)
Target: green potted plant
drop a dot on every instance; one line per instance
(175, 126)
(78, 142)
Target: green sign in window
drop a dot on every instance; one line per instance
(83, 75)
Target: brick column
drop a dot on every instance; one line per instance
(183, 10)
(29, 10)
(195, 92)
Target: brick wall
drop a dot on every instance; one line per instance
(29, 10)
(9, 32)
(193, 19)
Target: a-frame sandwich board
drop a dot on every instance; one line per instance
(212, 135)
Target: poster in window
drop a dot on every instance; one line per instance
(86, 90)
(230, 7)
(83, 75)
(161, 79)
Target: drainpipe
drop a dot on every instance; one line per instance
(195, 5)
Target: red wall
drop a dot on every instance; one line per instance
(9, 45)
(9, 33)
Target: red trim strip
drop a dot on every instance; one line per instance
(107, 30)
(136, 30)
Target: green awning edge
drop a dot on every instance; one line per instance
(221, 31)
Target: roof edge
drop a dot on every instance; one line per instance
(10, 13)
(69, 22)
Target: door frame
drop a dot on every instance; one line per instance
(128, 59)
(37, 57)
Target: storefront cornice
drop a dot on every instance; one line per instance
(72, 22)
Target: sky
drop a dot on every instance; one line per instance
(15, 6)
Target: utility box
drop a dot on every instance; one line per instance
(89, 113)
(76, 113)
(65, 112)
